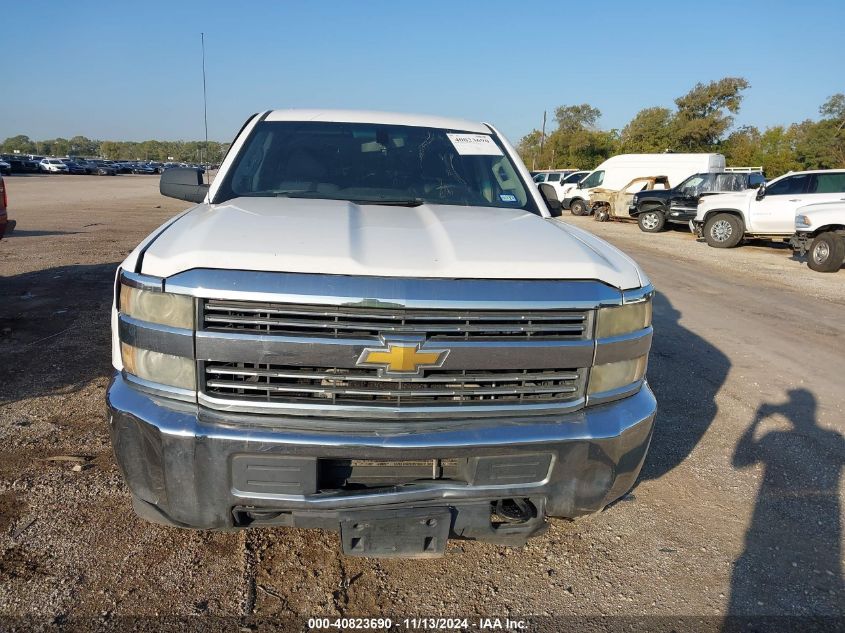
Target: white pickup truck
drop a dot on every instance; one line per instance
(370, 323)
(820, 231)
(724, 220)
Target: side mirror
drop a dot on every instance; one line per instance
(761, 192)
(550, 196)
(183, 183)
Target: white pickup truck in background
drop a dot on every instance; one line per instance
(724, 220)
(820, 231)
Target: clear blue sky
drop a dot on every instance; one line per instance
(130, 70)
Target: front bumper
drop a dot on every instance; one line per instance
(696, 228)
(800, 242)
(185, 465)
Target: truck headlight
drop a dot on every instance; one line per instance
(802, 222)
(163, 308)
(175, 371)
(616, 375)
(624, 319)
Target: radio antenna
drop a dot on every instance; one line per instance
(205, 106)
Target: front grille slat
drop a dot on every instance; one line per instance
(235, 316)
(388, 315)
(369, 376)
(278, 383)
(229, 321)
(388, 393)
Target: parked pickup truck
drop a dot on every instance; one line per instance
(653, 208)
(370, 323)
(820, 231)
(724, 220)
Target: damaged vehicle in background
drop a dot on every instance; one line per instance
(370, 323)
(678, 205)
(610, 204)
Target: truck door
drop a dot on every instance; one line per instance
(684, 197)
(775, 213)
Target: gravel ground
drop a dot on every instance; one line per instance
(738, 510)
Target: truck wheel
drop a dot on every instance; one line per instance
(723, 230)
(651, 221)
(827, 253)
(578, 207)
(601, 213)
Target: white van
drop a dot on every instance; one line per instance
(618, 171)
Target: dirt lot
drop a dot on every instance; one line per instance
(738, 510)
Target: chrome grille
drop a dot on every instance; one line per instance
(351, 322)
(266, 383)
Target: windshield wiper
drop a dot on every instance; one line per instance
(390, 202)
(394, 202)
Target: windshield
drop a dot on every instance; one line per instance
(593, 180)
(376, 164)
(576, 177)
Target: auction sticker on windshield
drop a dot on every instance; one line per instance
(474, 145)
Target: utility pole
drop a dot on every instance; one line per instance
(543, 134)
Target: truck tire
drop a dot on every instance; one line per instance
(651, 221)
(601, 213)
(723, 230)
(579, 207)
(827, 253)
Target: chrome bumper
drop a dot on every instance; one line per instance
(184, 463)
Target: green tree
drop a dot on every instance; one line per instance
(576, 117)
(705, 113)
(528, 148)
(776, 150)
(20, 143)
(649, 131)
(79, 146)
(742, 146)
(834, 109)
(110, 150)
(60, 147)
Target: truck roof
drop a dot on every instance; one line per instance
(375, 116)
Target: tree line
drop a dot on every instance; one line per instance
(702, 121)
(181, 151)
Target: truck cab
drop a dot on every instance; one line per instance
(724, 220)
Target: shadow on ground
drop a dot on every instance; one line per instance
(792, 561)
(54, 329)
(685, 372)
(36, 233)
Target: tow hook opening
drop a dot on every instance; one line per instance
(245, 517)
(511, 512)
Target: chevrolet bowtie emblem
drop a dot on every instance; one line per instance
(402, 355)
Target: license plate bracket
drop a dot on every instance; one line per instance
(406, 532)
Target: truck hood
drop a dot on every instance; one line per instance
(340, 237)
